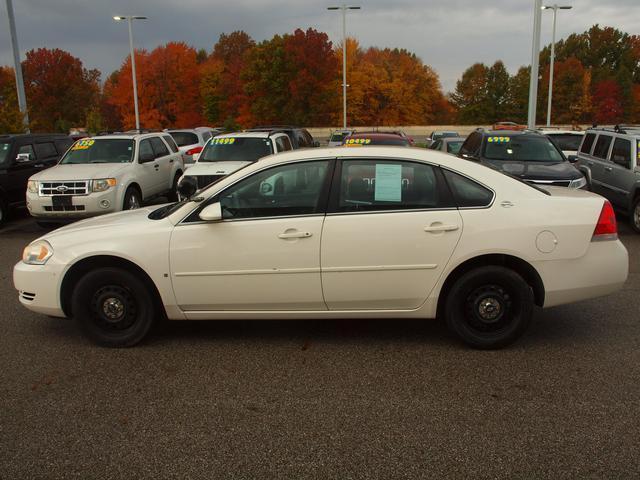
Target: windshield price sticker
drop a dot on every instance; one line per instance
(83, 144)
(358, 141)
(224, 141)
(499, 139)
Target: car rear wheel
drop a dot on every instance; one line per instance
(132, 199)
(635, 215)
(489, 307)
(113, 307)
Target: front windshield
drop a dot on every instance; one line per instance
(521, 149)
(238, 149)
(454, 147)
(375, 140)
(567, 141)
(99, 150)
(5, 147)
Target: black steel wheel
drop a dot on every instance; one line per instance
(489, 307)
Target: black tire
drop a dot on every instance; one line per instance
(634, 216)
(489, 307)
(113, 307)
(132, 199)
(172, 196)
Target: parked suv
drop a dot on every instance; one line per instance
(20, 157)
(225, 154)
(300, 137)
(105, 174)
(524, 154)
(610, 159)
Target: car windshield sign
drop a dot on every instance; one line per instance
(101, 150)
(521, 149)
(238, 149)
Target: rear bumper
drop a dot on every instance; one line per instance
(38, 287)
(601, 271)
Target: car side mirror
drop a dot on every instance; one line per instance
(23, 157)
(211, 213)
(187, 187)
(146, 157)
(466, 156)
(572, 158)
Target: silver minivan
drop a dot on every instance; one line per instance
(610, 160)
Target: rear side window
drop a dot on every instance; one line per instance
(471, 145)
(45, 150)
(171, 143)
(602, 146)
(567, 141)
(63, 145)
(621, 153)
(378, 185)
(466, 192)
(588, 143)
(206, 135)
(27, 149)
(159, 147)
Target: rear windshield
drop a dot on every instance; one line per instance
(454, 147)
(361, 141)
(567, 141)
(240, 149)
(338, 136)
(113, 150)
(5, 148)
(185, 138)
(521, 149)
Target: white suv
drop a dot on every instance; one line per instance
(224, 154)
(191, 141)
(105, 174)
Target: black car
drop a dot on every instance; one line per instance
(300, 137)
(22, 156)
(527, 155)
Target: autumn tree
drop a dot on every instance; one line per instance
(10, 116)
(59, 89)
(607, 102)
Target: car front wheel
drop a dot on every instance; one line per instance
(132, 199)
(635, 215)
(489, 307)
(113, 307)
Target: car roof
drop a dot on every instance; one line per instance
(127, 136)
(376, 135)
(511, 133)
(10, 136)
(562, 132)
(247, 134)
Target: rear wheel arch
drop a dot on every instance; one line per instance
(521, 267)
(82, 267)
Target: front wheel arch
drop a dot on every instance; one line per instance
(80, 268)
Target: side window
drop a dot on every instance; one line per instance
(159, 147)
(587, 143)
(292, 189)
(27, 149)
(45, 150)
(466, 192)
(621, 153)
(206, 135)
(280, 144)
(287, 143)
(436, 145)
(370, 185)
(63, 145)
(145, 149)
(171, 142)
(602, 146)
(471, 145)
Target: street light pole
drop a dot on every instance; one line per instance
(130, 19)
(344, 9)
(22, 99)
(535, 57)
(555, 9)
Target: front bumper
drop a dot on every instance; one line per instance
(39, 287)
(83, 206)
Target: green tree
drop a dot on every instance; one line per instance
(471, 95)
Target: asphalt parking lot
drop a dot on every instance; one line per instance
(321, 399)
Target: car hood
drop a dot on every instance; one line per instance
(129, 218)
(88, 171)
(216, 168)
(536, 170)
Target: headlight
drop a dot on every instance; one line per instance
(32, 186)
(102, 184)
(37, 253)
(578, 183)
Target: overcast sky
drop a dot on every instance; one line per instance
(449, 35)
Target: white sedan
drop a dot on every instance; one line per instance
(382, 232)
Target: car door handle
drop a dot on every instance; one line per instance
(171, 161)
(286, 235)
(156, 166)
(590, 164)
(608, 169)
(440, 227)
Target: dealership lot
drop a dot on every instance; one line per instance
(321, 399)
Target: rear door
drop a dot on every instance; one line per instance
(597, 162)
(149, 177)
(390, 232)
(164, 160)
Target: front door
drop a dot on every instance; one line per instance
(388, 236)
(265, 253)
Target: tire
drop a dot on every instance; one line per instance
(132, 199)
(172, 196)
(489, 307)
(113, 307)
(634, 217)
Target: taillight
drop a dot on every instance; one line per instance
(607, 227)
(191, 151)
